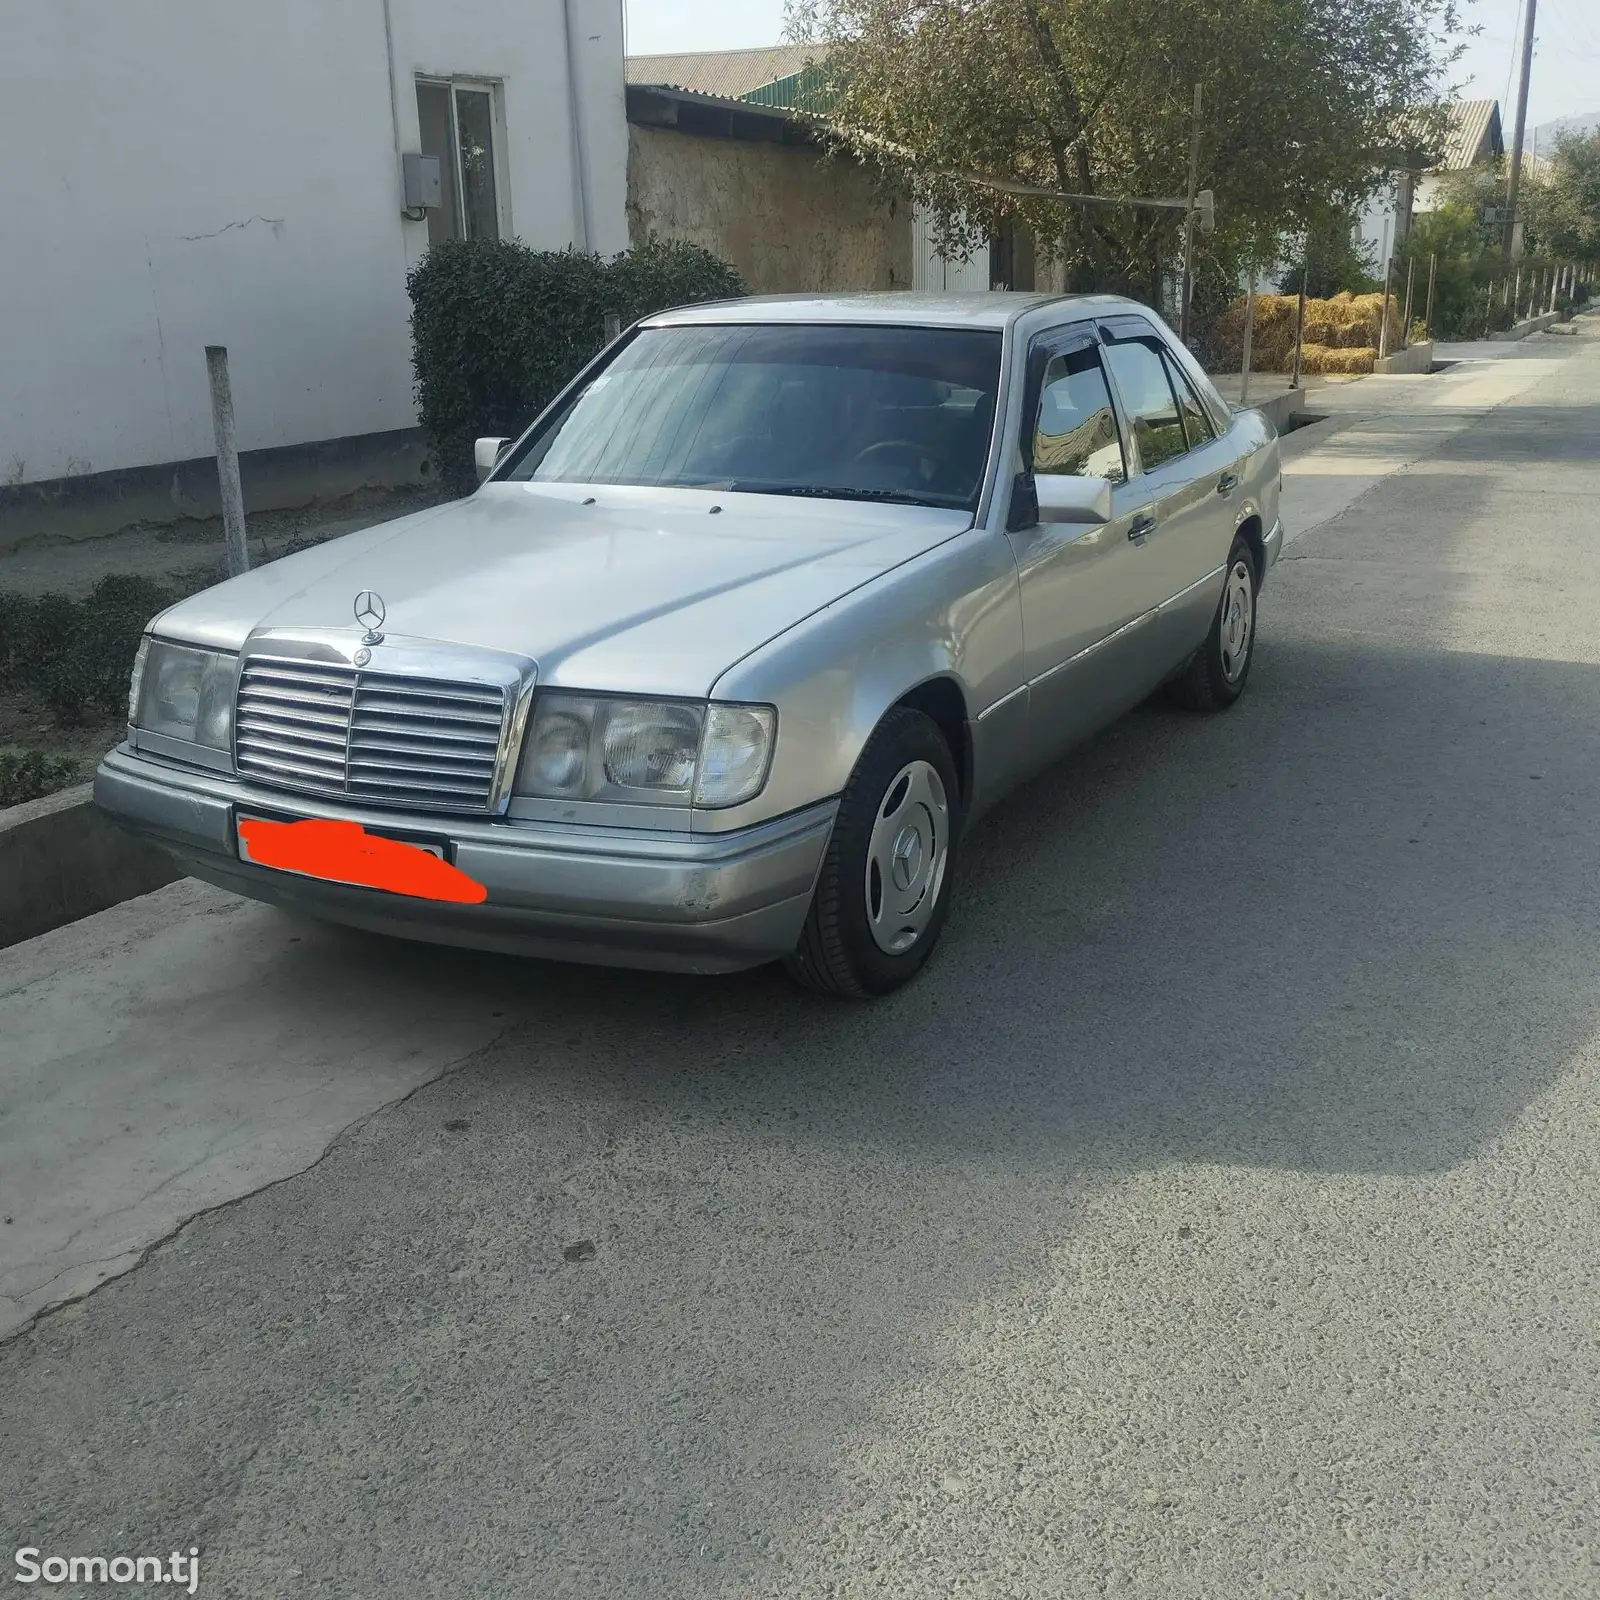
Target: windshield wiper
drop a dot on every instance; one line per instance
(825, 491)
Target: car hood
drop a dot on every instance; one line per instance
(643, 590)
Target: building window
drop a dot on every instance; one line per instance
(458, 126)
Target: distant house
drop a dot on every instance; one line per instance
(727, 74)
(718, 154)
(1473, 139)
(750, 181)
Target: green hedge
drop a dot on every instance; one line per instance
(31, 775)
(78, 654)
(497, 329)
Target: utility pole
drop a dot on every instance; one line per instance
(1193, 191)
(1514, 181)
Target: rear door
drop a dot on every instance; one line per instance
(1190, 473)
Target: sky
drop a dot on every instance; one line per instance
(1566, 63)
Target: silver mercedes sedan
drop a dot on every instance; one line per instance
(731, 647)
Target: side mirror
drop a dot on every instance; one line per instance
(1065, 497)
(486, 454)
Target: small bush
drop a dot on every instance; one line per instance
(32, 775)
(78, 654)
(497, 329)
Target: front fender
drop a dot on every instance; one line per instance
(952, 613)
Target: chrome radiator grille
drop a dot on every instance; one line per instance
(382, 737)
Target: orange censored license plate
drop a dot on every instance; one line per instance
(344, 852)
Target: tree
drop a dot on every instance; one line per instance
(1562, 212)
(1465, 250)
(1095, 97)
(1330, 259)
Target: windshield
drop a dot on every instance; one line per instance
(855, 412)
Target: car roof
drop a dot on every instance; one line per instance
(995, 308)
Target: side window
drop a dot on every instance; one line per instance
(1075, 432)
(1196, 423)
(1141, 374)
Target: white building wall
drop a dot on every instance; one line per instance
(1375, 231)
(190, 172)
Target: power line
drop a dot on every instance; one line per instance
(1516, 46)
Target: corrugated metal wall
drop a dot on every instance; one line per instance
(930, 270)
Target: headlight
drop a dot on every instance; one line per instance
(183, 693)
(655, 752)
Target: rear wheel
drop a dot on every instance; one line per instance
(884, 888)
(1215, 676)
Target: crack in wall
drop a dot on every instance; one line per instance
(275, 223)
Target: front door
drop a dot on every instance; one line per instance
(1190, 473)
(1089, 591)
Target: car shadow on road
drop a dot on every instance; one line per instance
(1348, 927)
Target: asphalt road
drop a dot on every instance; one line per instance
(1217, 1217)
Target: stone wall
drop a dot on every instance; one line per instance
(789, 218)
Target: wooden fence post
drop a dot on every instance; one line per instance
(227, 460)
(1383, 312)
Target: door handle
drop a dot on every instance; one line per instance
(1140, 526)
(1228, 482)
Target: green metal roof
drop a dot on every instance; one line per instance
(807, 90)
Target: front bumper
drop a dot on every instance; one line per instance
(613, 896)
(1272, 545)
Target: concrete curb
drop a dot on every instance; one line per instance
(62, 859)
(1521, 330)
(1415, 358)
(1278, 409)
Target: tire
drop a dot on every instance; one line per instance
(884, 887)
(1217, 672)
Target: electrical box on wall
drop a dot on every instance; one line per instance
(424, 187)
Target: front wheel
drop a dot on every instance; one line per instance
(1215, 676)
(884, 887)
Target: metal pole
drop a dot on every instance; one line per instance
(1300, 324)
(227, 460)
(1249, 330)
(1516, 296)
(1187, 283)
(1383, 313)
(1514, 181)
(1427, 316)
(1405, 321)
